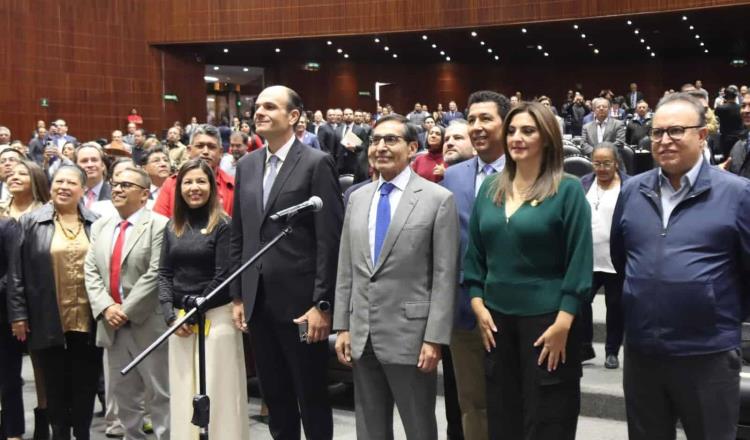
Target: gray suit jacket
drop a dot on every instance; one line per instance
(407, 297)
(613, 132)
(138, 275)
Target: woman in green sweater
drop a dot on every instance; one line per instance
(528, 267)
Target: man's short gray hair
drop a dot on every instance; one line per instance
(208, 130)
(600, 99)
(687, 98)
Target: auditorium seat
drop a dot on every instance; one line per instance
(346, 180)
(571, 150)
(578, 166)
(628, 155)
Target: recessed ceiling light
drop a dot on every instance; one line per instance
(473, 34)
(424, 37)
(339, 50)
(377, 40)
(630, 23)
(447, 58)
(278, 50)
(653, 54)
(648, 47)
(703, 44)
(692, 27)
(395, 55)
(489, 50)
(330, 43)
(210, 78)
(386, 48)
(434, 46)
(697, 37)
(481, 43)
(226, 50)
(583, 35)
(642, 40)
(636, 32)
(539, 47)
(596, 50)
(684, 18)
(497, 57)
(245, 69)
(523, 30)
(346, 55)
(575, 26)
(442, 52)
(216, 67)
(591, 44)
(706, 51)
(546, 54)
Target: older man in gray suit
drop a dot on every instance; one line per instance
(602, 128)
(395, 288)
(121, 271)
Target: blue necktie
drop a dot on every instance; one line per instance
(268, 183)
(488, 170)
(382, 219)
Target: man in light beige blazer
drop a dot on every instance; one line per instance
(129, 317)
(395, 288)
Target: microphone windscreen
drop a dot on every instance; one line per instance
(316, 202)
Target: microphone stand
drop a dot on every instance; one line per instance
(201, 401)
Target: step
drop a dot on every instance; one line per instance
(602, 395)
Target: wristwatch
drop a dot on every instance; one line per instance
(323, 306)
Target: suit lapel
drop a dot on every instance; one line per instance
(287, 167)
(361, 225)
(142, 225)
(405, 206)
(257, 170)
(107, 240)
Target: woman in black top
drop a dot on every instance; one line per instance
(12, 425)
(194, 261)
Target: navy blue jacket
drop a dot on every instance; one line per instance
(588, 180)
(686, 284)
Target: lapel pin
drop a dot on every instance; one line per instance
(534, 203)
(204, 231)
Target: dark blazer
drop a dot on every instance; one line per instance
(106, 192)
(347, 161)
(328, 139)
(31, 286)
(588, 180)
(301, 269)
(8, 235)
(629, 100)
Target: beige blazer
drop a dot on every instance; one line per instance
(138, 276)
(407, 297)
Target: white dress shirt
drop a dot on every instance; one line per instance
(601, 127)
(602, 202)
(281, 154)
(399, 182)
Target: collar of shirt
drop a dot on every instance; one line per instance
(153, 189)
(282, 152)
(97, 189)
(687, 180)
(498, 164)
(602, 123)
(133, 219)
(399, 181)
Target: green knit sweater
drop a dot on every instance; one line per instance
(538, 261)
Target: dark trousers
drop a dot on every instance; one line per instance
(703, 392)
(11, 395)
(450, 393)
(612, 284)
(524, 400)
(71, 374)
(292, 375)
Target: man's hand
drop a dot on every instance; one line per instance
(318, 324)
(238, 315)
(184, 331)
(439, 170)
(350, 147)
(20, 330)
(429, 357)
(344, 348)
(114, 316)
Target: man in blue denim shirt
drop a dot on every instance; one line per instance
(681, 234)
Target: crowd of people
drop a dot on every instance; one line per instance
(449, 236)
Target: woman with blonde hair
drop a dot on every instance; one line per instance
(528, 268)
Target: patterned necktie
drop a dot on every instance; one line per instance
(488, 170)
(115, 262)
(90, 198)
(268, 183)
(382, 219)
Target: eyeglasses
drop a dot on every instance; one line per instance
(126, 185)
(675, 132)
(203, 145)
(390, 139)
(9, 159)
(607, 164)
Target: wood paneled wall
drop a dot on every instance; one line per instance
(339, 84)
(242, 20)
(90, 59)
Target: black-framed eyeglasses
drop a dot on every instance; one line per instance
(389, 139)
(675, 132)
(126, 185)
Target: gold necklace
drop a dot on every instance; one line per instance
(67, 232)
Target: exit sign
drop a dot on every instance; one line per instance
(171, 97)
(44, 102)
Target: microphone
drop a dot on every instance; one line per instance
(314, 204)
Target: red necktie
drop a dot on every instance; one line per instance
(90, 198)
(115, 262)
